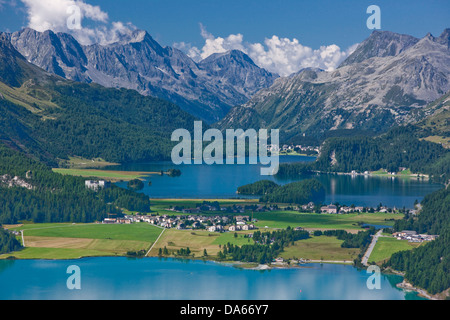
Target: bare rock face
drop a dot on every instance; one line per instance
(10, 182)
(207, 90)
(388, 80)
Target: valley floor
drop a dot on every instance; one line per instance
(72, 241)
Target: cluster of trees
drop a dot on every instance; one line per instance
(163, 252)
(261, 187)
(138, 254)
(400, 147)
(359, 240)
(267, 247)
(427, 266)
(282, 237)
(8, 242)
(174, 172)
(301, 192)
(249, 253)
(55, 197)
(135, 184)
(183, 252)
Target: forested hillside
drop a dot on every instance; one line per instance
(400, 147)
(52, 118)
(40, 195)
(428, 266)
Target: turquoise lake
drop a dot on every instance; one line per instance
(170, 279)
(221, 181)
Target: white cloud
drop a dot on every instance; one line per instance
(280, 55)
(54, 14)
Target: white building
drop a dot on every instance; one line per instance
(96, 185)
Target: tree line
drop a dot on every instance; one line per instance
(267, 246)
(300, 192)
(8, 242)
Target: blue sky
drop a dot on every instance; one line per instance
(314, 23)
(311, 23)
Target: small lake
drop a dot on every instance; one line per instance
(221, 181)
(170, 279)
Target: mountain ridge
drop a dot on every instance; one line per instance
(136, 61)
(50, 118)
(374, 92)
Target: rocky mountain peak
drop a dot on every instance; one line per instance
(445, 38)
(387, 81)
(136, 61)
(381, 44)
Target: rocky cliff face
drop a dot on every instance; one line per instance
(388, 80)
(207, 90)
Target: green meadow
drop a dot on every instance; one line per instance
(72, 241)
(386, 247)
(283, 219)
(320, 248)
(103, 174)
(137, 232)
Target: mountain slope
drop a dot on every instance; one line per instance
(438, 121)
(49, 117)
(138, 62)
(387, 81)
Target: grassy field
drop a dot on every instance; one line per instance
(70, 241)
(197, 241)
(104, 174)
(136, 232)
(316, 248)
(320, 248)
(386, 247)
(83, 163)
(283, 219)
(22, 97)
(55, 253)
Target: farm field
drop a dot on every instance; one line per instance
(386, 247)
(67, 241)
(70, 241)
(136, 232)
(283, 219)
(320, 248)
(104, 174)
(197, 241)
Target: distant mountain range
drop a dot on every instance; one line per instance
(50, 118)
(389, 80)
(207, 89)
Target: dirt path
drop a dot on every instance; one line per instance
(366, 257)
(148, 252)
